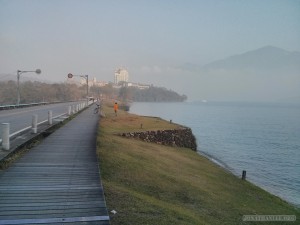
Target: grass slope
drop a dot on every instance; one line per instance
(148, 183)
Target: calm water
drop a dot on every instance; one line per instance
(262, 139)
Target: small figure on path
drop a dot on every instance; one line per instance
(98, 105)
(116, 108)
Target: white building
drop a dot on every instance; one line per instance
(121, 75)
(82, 81)
(94, 82)
(139, 86)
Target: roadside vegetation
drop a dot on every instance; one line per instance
(35, 91)
(152, 94)
(147, 183)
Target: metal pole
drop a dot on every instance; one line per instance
(19, 72)
(18, 87)
(69, 110)
(87, 88)
(50, 117)
(244, 175)
(34, 123)
(5, 136)
(86, 77)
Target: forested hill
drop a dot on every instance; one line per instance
(152, 94)
(33, 91)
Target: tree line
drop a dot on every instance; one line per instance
(35, 91)
(151, 94)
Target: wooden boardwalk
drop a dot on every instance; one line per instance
(58, 181)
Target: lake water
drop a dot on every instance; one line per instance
(263, 139)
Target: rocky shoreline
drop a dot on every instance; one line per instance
(178, 138)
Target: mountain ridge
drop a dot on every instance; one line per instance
(266, 58)
(265, 74)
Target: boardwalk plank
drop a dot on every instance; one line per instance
(58, 181)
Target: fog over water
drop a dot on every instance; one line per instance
(175, 44)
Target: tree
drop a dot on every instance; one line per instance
(33, 92)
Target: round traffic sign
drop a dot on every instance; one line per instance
(70, 75)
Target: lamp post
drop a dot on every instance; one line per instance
(19, 72)
(86, 77)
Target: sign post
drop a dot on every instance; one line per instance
(86, 77)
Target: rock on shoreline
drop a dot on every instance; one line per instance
(177, 138)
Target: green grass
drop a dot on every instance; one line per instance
(147, 183)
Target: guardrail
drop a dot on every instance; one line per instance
(3, 107)
(6, 136)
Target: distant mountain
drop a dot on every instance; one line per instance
(265, 74)
(191, 67)
(267, 58)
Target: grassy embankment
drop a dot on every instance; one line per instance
(147, 183)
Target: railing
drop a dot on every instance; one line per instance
(3, 107)
(6, 136)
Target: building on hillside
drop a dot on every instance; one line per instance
(138, 85)
(121, 75)
(73, 81)
(96, 83)
(121, 80)
(82, 81)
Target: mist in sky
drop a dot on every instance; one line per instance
(153, 40)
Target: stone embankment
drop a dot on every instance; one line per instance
(179, 138)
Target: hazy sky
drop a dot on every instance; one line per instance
(150, 38)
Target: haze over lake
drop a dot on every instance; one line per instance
(214, 50)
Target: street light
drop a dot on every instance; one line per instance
(19, 72)
(86, 77)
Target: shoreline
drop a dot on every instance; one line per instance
(267, 183)
(217, 162)
(146, 182)
(228, 169)
(222, 164)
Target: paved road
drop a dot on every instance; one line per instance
(58, 181)
(21, 118)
